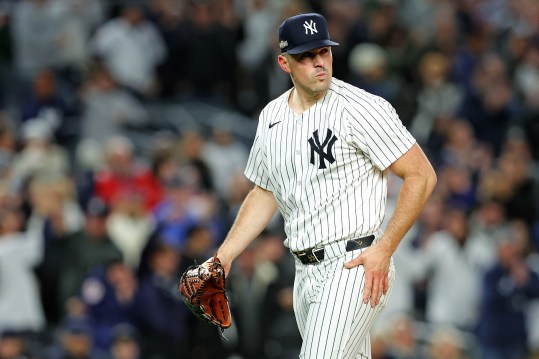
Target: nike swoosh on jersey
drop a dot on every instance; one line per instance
(273, 124)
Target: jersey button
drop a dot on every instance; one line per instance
(298, 152)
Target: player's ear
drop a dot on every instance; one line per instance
(284, 63)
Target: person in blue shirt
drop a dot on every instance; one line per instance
(109, 295)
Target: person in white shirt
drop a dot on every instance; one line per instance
(20, 252)
(454, 261)
(131, 48)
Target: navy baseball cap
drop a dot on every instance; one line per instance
(304, 32)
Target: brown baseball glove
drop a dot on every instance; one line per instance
(203, 290)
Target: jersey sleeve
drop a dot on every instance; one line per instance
(376, 129)
(257, 170)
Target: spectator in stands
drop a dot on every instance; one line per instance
(39, 156)
(239, 188)
(7, 75)
(506, 289)
(279, 333)
(402, 342)
(458, 187)
(438, 97)
(52, 197)
(130, 226)
(408, 295)
(525, 80)
(210, 72)
(74, 342)
(7, 144)
(447, 343)
(452, 258)
(185, 204)
(225, 156)
(35, 36)
(199, 246)
(255, 48)
(46, 103)
(419, 17)
(532, 310)
(109, 295)
(461, 148)
(163, 160)
(162, 317)
(131, 48)
(12, 345)
(172, 215)
(87, 249)
(108, 110)
(474, 43)
(369, 71)
(191, 156)
(125, 344)
(446, 32)
(487, 103)
(515, 164)
(78, 20)
(429, 222)
(379, 343)
(249, 283)
(168, 17)
(124, 176)
(488, 217)
(20, 252)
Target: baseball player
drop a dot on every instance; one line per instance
(321, 155)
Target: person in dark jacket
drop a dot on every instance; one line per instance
(86, 250)
(109, 296)
(74, 341)
(45, 102)
(507, 288)
(162, 318)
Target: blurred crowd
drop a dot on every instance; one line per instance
(96, 225)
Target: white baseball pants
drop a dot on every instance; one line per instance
(333, 321)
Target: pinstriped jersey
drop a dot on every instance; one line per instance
(326, 166)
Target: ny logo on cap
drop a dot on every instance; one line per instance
(310, 26)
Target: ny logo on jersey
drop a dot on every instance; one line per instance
(329, 141)
(310, 26)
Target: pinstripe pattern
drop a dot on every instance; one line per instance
(324, 203)
(332, 318)
(345, 200)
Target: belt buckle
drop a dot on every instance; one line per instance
(310, 255)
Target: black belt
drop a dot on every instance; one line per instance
(317, 254)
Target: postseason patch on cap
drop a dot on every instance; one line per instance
(304, 32)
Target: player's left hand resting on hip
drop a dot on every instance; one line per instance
(376, 260)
